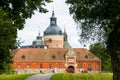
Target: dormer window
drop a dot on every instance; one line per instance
(86, 56)
(53, 57)
(50, 40)
(23, 56)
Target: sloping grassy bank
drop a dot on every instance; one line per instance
(82, 76)
(15, 77)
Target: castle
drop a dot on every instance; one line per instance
(53, 53)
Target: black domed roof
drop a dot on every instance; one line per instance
(53, 29)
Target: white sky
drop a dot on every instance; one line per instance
(39, 22)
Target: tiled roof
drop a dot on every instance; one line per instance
(85, 55)
(50, 55)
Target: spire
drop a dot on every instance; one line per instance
(53, 20)
(39, 31)
(65, 34)
(64, 30)
(53, 14)
(39, 37)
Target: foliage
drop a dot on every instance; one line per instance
(13, 14)
(82, 76)
(100, 51)
(15, 77)
(19, 10)
(99, 20)
(9, 69)
(7, 39)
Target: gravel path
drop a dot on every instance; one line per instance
(40, 77)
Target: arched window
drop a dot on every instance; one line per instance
(23, 56)
(89, 67)
(50, 66)
(86, 56)
(28, 66)
(19, 66)
(53, 57)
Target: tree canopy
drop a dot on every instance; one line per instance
(99, 20)
(13, 14)
(100, 51)
(20, 10)
(7, 39)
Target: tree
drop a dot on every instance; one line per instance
(100, 51)
(13, 14)
(7, 39)
(100, 18)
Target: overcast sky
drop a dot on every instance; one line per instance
(39, 22)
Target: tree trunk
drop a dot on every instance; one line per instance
(115, 65)
(113, 46)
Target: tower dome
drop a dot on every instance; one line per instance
(53, 29)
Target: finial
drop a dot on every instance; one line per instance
(64, 29)
(53, 14)
(39, 31)
(53, 10)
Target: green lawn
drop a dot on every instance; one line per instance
(82, 76)
(15, 77)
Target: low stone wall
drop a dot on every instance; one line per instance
(42, 71)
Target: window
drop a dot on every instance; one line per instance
(60, 55)
(86, 56)
(53, 57)
(50, 66)
(60, 32)
(89, 67)
(96, 65)
(40, 66)
(70, 62)
(19, 66)
(59, 65)
(81, 66)
(28, 66)
(23, 56)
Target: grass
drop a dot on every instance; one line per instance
(82, 76)
(15, 77)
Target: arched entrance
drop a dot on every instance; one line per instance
(70, 69)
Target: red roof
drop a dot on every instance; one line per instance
(51, 55)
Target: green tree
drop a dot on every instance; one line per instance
(100, 51)
(7, 39)
(13, 14)
(99, 20)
